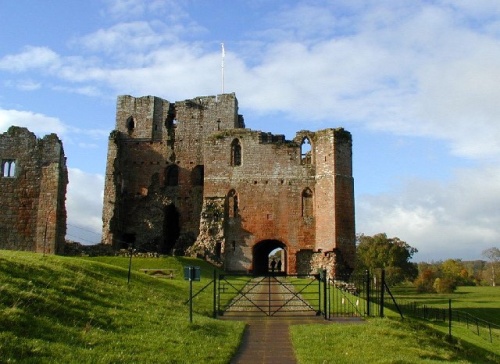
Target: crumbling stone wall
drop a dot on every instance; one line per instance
(209, 244)
(33, 185)
(188, 176)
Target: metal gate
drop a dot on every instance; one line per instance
(359, 294)
(269, 295)
(299, 295)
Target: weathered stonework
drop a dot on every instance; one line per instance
(33, 185)
(188, 177)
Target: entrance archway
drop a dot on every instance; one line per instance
(260, 256)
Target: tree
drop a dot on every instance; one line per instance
(493, 254)
(455, 270)
(391, 254)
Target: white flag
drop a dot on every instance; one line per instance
(223, 51)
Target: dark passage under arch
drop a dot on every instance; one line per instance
(171, 229)
(261, 256)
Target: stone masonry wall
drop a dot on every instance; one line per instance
(33, 185)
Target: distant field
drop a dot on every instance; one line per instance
(480, 301)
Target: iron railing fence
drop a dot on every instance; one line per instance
(454, 317)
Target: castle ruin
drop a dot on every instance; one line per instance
(189, 178)
(33, 182)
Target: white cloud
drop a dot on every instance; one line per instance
(30, 58)
(125, 38)
(132, 9)
(24, 85)
(456, 219)
(37, 123)
(84, 206)
(42, 125)
(125, 8)
(85, 90)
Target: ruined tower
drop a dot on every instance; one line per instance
(33, 182)
(189, 177)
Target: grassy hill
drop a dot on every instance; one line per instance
(73, 310)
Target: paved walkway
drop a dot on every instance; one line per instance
(267, 338)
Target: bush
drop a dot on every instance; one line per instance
(444, 285)
(425, 282)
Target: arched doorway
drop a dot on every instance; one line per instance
(260, 256)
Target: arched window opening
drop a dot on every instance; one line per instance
(197, 175)
(172, 176)
(305, 151)
(232, 204)
(9, 168)
(130, 124)
(236, 153)
(307, 203)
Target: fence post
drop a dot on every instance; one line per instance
(449, 318)
(382, 288)
(219, 294)
(368, 292)
(215, 293)
(325, 282)
(319, 295)
(269, 295)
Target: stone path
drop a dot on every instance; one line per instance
(267, 338)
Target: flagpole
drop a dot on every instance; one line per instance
(222, 66)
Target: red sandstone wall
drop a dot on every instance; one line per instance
(33, 200)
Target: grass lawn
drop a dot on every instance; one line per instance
(73, 310)
(392, 340)
(380, 341)
(481, 302)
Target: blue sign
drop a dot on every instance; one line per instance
(192, 273)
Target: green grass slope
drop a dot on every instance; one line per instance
(73, 310)
(381, 341)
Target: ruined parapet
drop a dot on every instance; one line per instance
(33, 185)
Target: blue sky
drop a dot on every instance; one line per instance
(415, 82)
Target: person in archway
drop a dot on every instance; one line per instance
(273, 265)
(279, 265)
